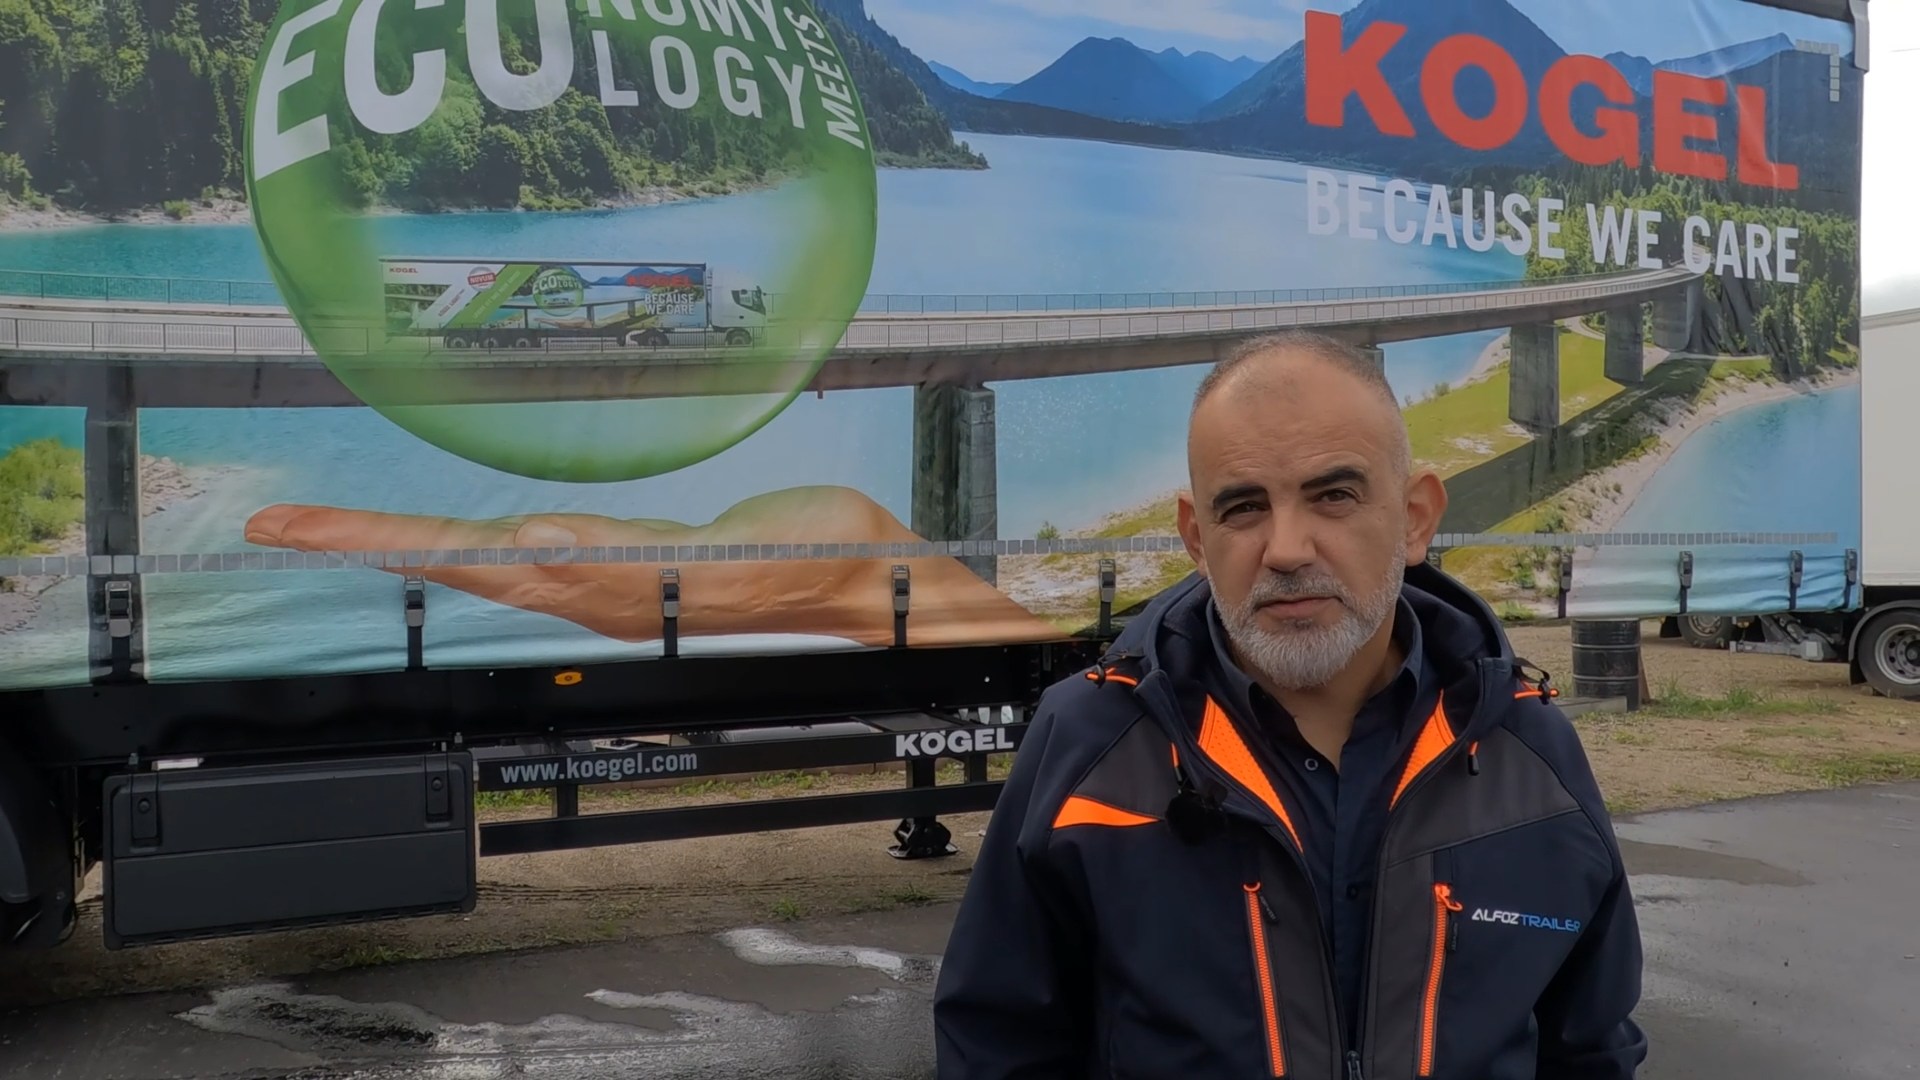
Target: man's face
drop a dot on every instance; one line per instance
(1301, 515)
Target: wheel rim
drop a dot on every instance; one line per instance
(1705, 627)
(1898, 654)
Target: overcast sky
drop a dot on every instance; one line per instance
(1009, 40)
(1890, 232)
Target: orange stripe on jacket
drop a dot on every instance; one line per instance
(1220, 741)
(1435, 737)
(1080, 810)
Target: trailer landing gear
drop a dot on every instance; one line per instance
(922, 838)
(38, 876)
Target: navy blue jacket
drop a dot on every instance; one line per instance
(1140, 906)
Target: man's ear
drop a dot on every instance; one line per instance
(1426, 505)
(1189, 522)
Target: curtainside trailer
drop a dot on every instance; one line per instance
(358, 455)
(526, 303)
(1876, 633)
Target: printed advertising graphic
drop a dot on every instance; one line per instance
(566, 319)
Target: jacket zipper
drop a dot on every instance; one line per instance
(1363, 1024)
(1198, 763)
(1257, 912)
(1444, 905)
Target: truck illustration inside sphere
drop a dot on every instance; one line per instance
(525, 304)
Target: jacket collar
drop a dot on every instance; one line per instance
(1465, 645)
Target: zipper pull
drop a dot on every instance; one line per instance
(1443, 895)
(1473, 759)
(1353, 1066)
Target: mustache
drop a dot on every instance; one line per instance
(1277, 586)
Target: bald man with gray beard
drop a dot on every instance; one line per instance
(1310, 815)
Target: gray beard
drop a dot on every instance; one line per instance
(1303, 655)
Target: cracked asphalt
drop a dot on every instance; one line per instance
(1781, 941)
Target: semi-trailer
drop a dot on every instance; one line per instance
(526, 303)
(274, 608)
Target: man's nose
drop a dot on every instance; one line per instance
(1290, 542)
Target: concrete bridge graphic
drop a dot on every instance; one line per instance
(115, 358)
(180, 355)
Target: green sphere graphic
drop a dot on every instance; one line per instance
(584, 242)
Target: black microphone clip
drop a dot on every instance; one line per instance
(1194, 817)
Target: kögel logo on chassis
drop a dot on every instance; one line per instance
(961, 741)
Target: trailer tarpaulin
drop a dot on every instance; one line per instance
(346, 335)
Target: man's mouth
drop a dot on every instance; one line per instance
(1295, 607)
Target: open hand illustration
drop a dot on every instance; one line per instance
(845, 598)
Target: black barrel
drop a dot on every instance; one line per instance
(1606, 659)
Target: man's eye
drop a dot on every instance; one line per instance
(1340, 494)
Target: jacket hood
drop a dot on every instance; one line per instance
(1468, 648)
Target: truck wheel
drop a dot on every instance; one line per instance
(1706, 631)
(653, 339)
(1890, 654)
(739, 337)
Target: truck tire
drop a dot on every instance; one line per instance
(1890, 653)
(1706, 631)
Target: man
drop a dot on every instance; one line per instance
(1310, 816)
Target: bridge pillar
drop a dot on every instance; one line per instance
(955, 469)
(111, 471)
(1673, 318)
(1626, 357)
(1533, 376)
(1377, 355)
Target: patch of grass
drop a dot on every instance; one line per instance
(1844, 769)
(787, 909)
(42, 496)
(784, 783)
(1868, 767)
(911, 895)
(373, 954)
(1514, 611)
(904, 896)
(1479, 410)
(1758, 368)
(513, 800)
(1687, 795)
(1624, 804)
(1532, 569)
(1674, 700)
(1798, 731)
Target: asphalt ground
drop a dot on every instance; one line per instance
(1781, 938)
